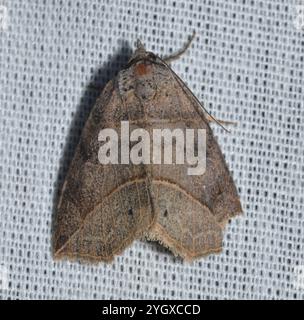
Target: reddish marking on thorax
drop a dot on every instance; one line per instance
(142, 69)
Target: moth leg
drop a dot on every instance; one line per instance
(210, 118)
(177, 55)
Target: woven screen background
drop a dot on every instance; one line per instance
(246, 64)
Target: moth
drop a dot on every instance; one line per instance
(103, 208)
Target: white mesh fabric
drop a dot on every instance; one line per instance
(246, 64)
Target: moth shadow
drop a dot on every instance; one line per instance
(91, 92)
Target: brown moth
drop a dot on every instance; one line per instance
(104, 208)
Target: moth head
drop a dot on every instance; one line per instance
(141, 54)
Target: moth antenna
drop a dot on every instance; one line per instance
(177, 55)
(223, 122)
(186, 89)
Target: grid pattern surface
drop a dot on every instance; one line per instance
(246, 64)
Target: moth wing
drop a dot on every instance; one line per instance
(191, 210)
(184, 225)
(102, 208)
